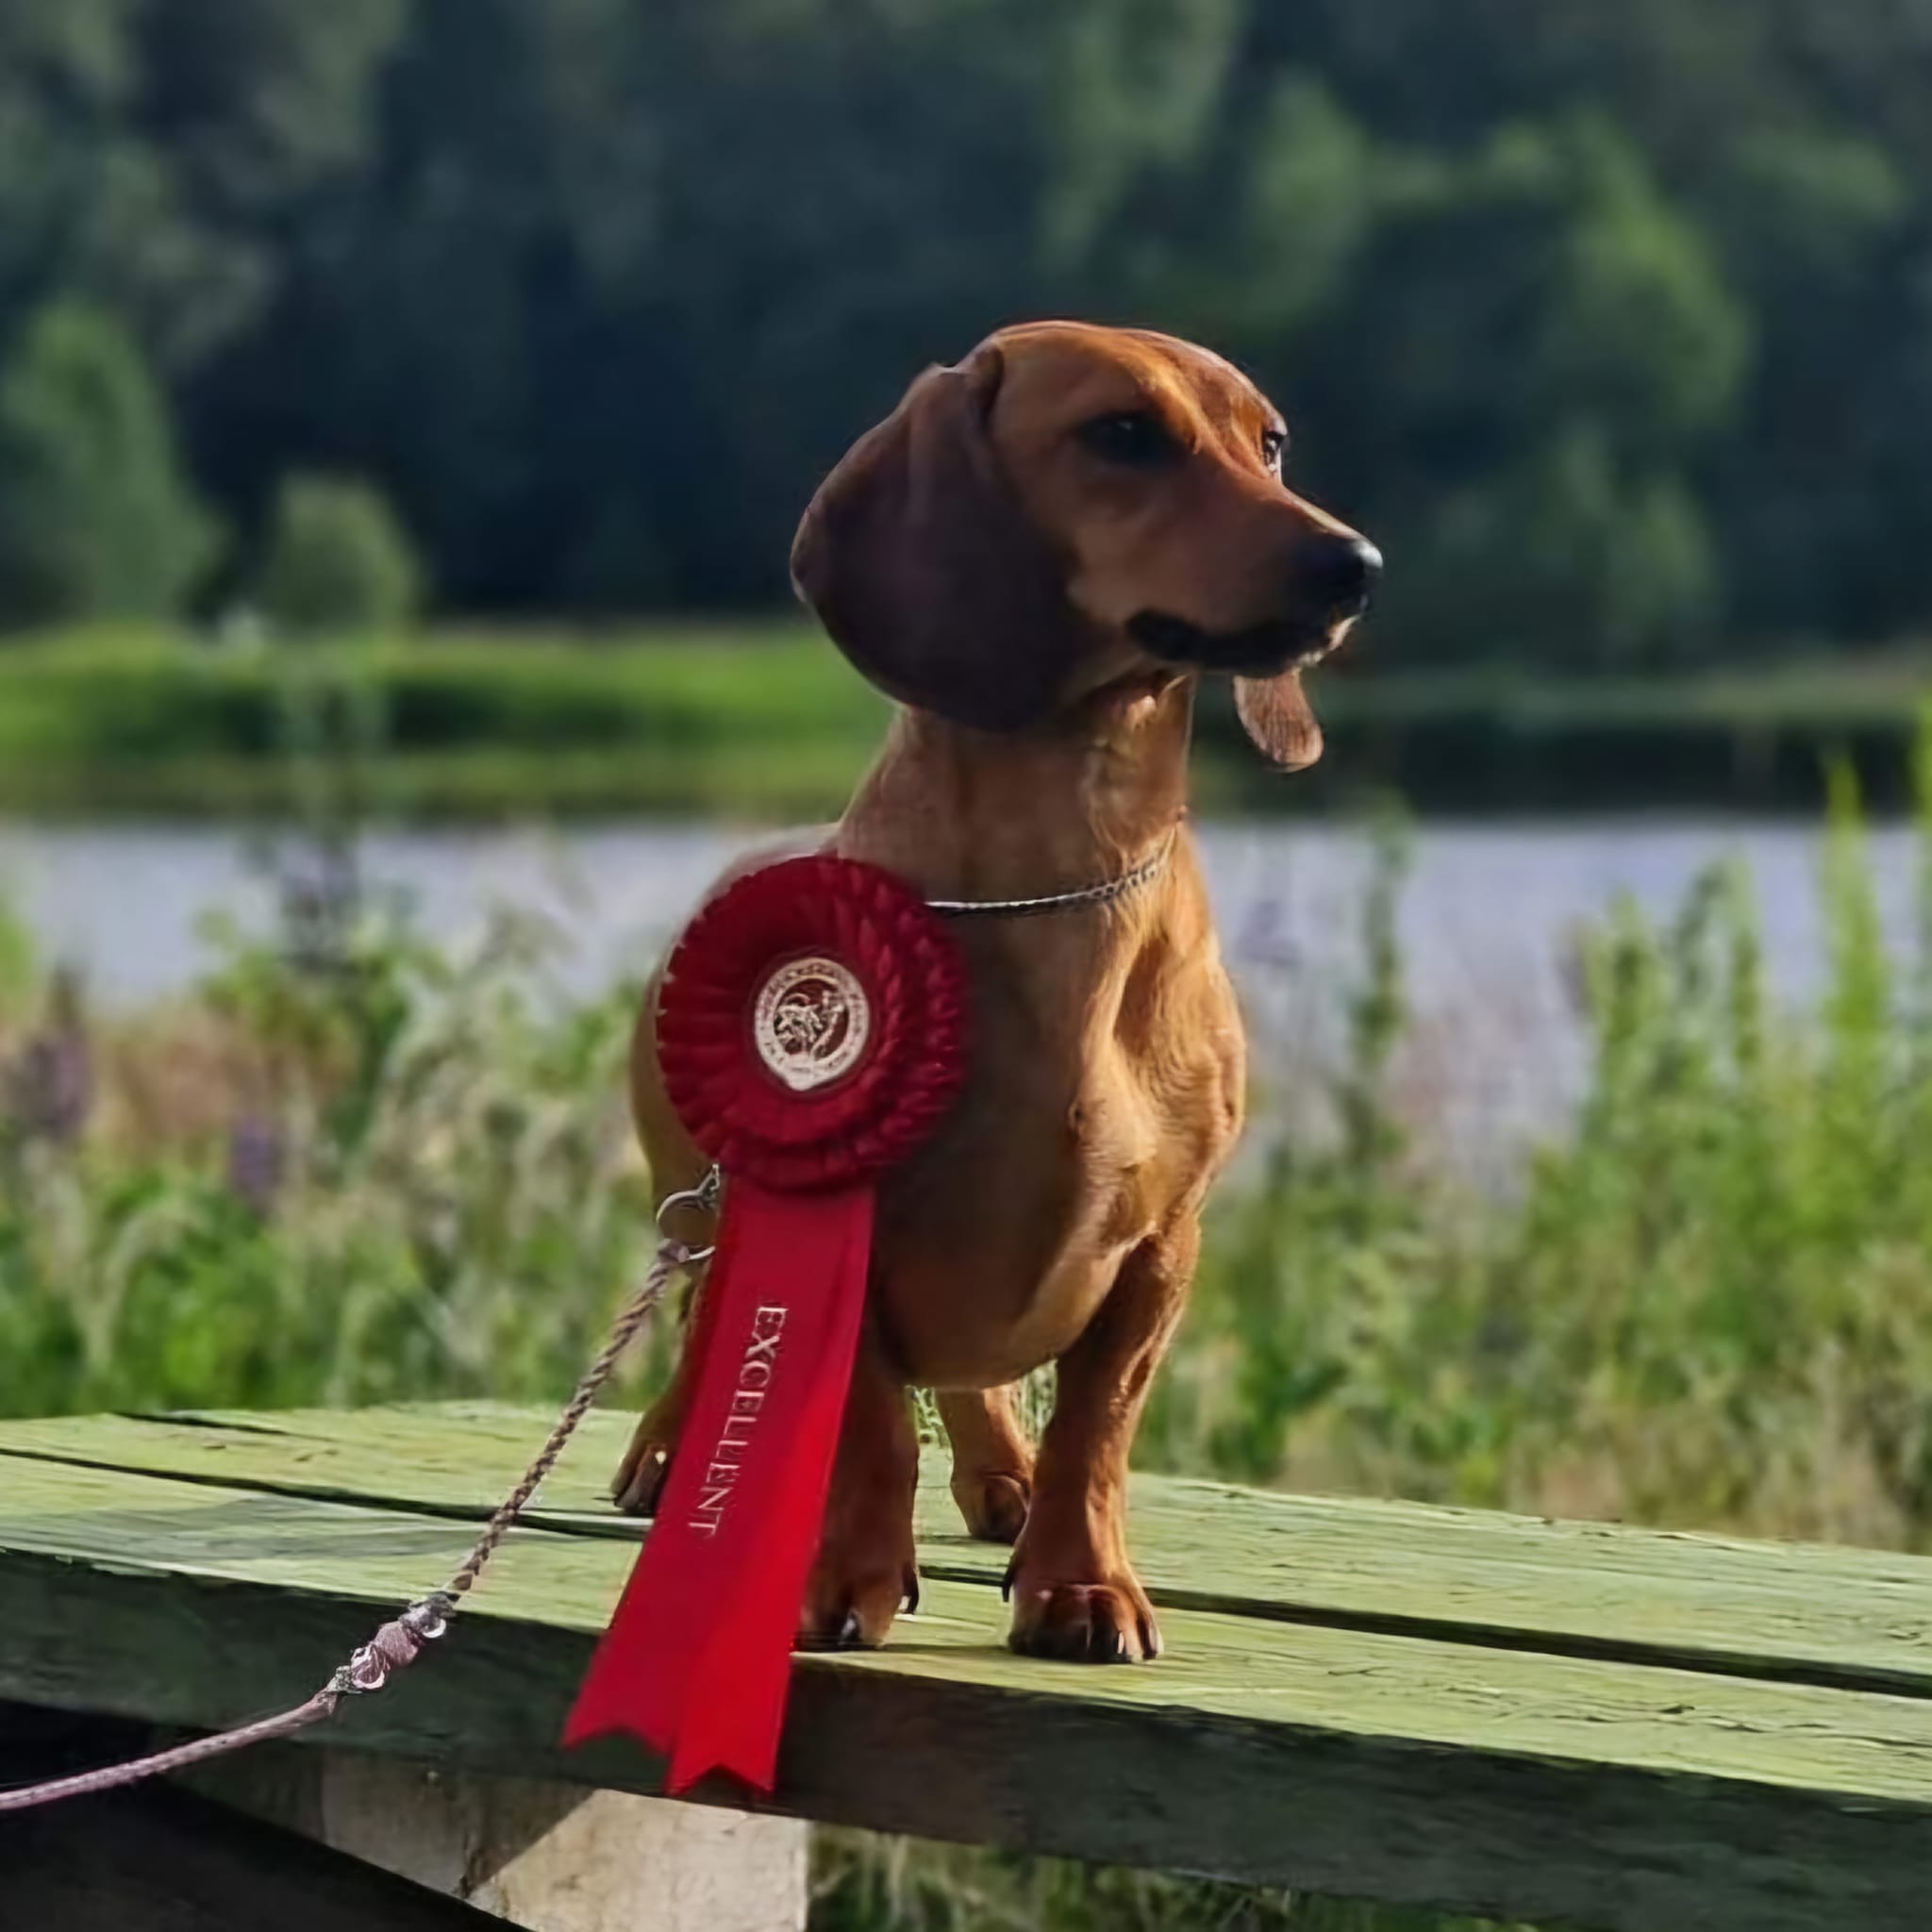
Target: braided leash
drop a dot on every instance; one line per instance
(399, 1642)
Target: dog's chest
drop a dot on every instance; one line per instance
(1096, 1112)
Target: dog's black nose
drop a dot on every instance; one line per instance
(1337, 574)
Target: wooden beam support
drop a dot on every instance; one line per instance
(549, 1856)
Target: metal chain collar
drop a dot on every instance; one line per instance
(1105, 894)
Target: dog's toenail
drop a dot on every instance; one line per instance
(851, 1632)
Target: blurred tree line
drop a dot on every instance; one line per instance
(1612, 323)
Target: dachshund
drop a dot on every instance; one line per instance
(1040, 555)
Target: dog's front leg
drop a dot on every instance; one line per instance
(992, 1461)
(641, 1476)
(1074, 1592)
(866, 1565)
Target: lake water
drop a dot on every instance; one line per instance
(1489, 919)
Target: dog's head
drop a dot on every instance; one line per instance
(1072, 506)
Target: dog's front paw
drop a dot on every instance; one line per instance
(853, 1596)
(1109, 1622)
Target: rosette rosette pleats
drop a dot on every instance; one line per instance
(811, 1029)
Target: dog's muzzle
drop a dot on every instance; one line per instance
(1334, 579)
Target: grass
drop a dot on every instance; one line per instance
(352, 1167)
(765, 721)
(404, 1176)
(860, 1886)
(1709, 1302)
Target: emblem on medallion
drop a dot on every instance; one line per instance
(811, 1023)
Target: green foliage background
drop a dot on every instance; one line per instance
(1610, 322)
(335, 561)
(96, 519)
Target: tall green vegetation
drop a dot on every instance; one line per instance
(1610, 323)
(353, 1166)
(1709, 1302)
(356, 1170)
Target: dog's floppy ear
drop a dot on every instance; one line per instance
(1275, 713)
(920, 564)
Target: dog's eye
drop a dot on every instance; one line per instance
(1136, 438)
(1273, 447)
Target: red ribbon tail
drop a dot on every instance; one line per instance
(697, 1660)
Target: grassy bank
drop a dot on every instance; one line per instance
(767, 722)
(355, 1166)
(761, 722)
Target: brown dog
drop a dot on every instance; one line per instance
(1039, 553)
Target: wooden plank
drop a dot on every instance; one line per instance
(1615, 1796)
(158, 1860)
(1804, 1613)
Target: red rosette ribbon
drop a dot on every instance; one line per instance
(811, 1028)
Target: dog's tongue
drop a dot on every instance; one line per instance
(1275, 713)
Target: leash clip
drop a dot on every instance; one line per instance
(705, 1198)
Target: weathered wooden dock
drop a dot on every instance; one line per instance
(1541, 1721)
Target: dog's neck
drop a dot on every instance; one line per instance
(967, 814)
